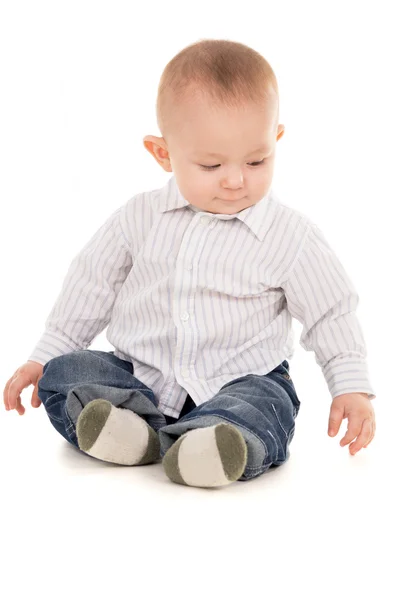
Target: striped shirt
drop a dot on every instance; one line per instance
(195, 299)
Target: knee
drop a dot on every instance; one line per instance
(65, 363)
(59, 372)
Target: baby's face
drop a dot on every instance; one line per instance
(223, 160)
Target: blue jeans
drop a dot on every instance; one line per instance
(262, 407)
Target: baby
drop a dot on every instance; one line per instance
(198, 282)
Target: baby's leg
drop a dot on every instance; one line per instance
(121, 426)
(116, 435)
(209, 456)
(205, 449)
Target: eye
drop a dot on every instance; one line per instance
(211, 168)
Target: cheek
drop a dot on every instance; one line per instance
(202, 180)
(197, 187)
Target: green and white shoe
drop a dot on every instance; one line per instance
(207, 456)
(116, 435)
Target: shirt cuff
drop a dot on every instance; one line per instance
(348, 376)
(50, 346)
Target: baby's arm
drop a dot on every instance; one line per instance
(84, 305)
(322, 297)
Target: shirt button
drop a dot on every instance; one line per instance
(185, 316)
(189, 267)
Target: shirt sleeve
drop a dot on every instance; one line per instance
(322, 297)
(84, 305)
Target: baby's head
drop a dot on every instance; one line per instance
(218, 107)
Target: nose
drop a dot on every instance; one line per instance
(233, 180)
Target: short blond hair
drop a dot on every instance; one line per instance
(227, 73)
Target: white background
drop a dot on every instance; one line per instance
(78, 92)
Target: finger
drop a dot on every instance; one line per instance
(5, 394)
(19, 406)
(13, 392)
(372, 434)
(35, 401)
(354, 429)
(363, 437)
(335, 419)
(8, 391)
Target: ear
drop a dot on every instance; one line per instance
(158, 148)
(281, 131)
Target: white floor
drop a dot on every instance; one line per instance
(324, 525)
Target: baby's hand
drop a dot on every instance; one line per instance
(28, 374)
(358, 409)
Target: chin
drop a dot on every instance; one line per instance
(236, 206)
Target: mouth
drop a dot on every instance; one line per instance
(231, 200)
